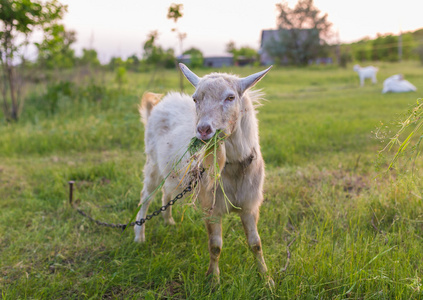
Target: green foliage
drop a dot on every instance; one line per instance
(62, 95)
(121, 76)
(418, 36)
(409, 45)
(119, 67)
(115, 62)
(56, 91)
(18, 19)
(247, 52)
(345, 58)
(196, 57)
(405, 137)
(155, 55)
(55, 50)
(89, 58)
(96, 93)
(362, 50)
(385, 48)
(357, 236)
(301, 35)
(133, 63)
(243, 55)
(419, 51)
(175, 12)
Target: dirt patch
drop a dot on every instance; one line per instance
(347, 181)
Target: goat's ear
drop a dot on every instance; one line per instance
(194, 79)
(251, 80)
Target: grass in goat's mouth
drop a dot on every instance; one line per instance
(197, 144)
(198, 148)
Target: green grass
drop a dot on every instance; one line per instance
(357, 235)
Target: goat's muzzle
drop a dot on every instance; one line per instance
(204, 132)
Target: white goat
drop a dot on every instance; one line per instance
(397, 84)
(220, 102)
(366, 72)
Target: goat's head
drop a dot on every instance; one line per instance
(218, 100)
(356, 68)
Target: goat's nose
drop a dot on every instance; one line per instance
(204, 130)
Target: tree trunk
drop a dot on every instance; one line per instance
(4, 92)
(14, 113)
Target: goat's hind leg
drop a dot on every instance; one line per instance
(151, 181)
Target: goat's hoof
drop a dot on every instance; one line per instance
(139, 239)
(170, 221)
(214, 279)
(270, 282)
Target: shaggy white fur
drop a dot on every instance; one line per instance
(397, 84)
(220, 102)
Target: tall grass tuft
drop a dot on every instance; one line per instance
(409, 129)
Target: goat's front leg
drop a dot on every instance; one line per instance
(214, 231)
(249, 221)
(167, 214)
(374, 80)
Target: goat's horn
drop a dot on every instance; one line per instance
(251, 80)
(194, 79)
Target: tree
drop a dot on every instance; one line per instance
(133, 63)
(151, 50)
(419, 51)
(55, 50)
(175, 13)
(230, 47)
(89, 58)
(302, 33)
(197, 58)
(362, 50)
(242, 56)
(115, 62)
(18, 19)
(155, 55)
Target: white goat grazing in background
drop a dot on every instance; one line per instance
(366, 72)
(220, 102)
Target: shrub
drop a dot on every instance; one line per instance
(56, 91)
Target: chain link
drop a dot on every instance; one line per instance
(191, 185)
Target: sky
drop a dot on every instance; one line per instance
(120, 27)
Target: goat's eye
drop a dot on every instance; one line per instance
(230, 98)
(193, 99)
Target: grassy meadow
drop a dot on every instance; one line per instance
(351, 230)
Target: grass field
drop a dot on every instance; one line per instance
(350, 233)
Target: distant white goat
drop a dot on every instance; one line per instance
(220, 102)
(366, 72)
(397, 84)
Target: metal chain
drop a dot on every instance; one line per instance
(191, 185)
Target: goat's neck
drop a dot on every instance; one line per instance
(244, 138)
